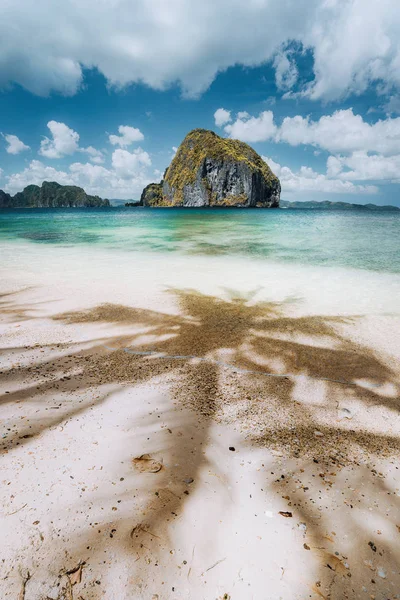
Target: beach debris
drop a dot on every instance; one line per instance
(335, 564)
(188, 480)
(15, 511)
(25, 576)
(306, 547)
(232, 448)
(75, 574)
(285, 513)
(318, 434)
(382, 573)
(225, 597)
(372, 546)
(316, 590)
(139, 528)
(303, 527)
(215, 564)
(146, 464)
(345, 413)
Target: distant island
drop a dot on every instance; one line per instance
(54, 195)
(311, 204)
(51, 195)
(209, 170)
(327, 205)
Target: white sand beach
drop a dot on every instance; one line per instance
(229, 431)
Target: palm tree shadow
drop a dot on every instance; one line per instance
(235, 352)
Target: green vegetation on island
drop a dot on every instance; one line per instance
(51, 195)
(208, 170)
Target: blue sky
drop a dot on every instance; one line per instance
(103, 101)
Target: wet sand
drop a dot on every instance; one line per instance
(196, 445)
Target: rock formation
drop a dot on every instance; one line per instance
(208, 170)
(5, 200)
(51, 195)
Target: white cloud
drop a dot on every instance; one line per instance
(363, 167)
(95, 156)
(128, 136)
(222, 116)
(286, 72)
(354, 42)
(308, 180)
(129, 164)
(36, 173)
(393, 105)
(95, 179)
(174, 150)
(65, 141)
(15, 145)
(343, 131)
(252, 129)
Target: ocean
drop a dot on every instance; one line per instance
(368, 241)
(333, 261)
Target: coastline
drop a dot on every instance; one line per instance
(318, 442)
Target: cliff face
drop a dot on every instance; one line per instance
(5, 200)
(51, 195)
(208, 170)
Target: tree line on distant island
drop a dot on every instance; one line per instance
(51, 195)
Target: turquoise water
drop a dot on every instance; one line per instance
(314, 237)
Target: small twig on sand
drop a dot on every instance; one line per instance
(15, 511)
(69, 588)
(215, 564)
(142, 529)
(25, 578)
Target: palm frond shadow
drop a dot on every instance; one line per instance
(217, 353)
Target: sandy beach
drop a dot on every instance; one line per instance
(204, 439)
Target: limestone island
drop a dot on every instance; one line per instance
(208, 170)
(51, 195)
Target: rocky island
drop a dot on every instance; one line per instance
(208, 170)
(51, 195)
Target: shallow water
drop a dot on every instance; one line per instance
(360, 240)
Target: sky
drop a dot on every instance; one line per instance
(100, 93)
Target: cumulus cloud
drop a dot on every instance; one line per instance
(64, 141)
(130, 164)
(128, 135)
(354, 42)
(252, 129)
(308, 180)
(95, 156)
(361, 166)
(15, 145)
(343, 131)
(95, 179)
(286, 72)
(222, 116)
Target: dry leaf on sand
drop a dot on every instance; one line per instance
(146, 464)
